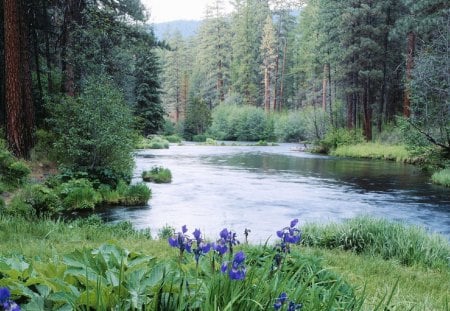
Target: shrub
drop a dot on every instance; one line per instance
(341, 137)
(200, 138)
(211, 142)
(2, 203)
(78, 194)
(442, 177)
(42, 199)
(44, 149)
(13, 173)
(157, 174)
(173, 138)
(94, 131)
(109, 195)
(19, 208)
(290, 127)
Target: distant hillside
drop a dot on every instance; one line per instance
(187, 28)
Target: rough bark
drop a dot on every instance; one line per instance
(14, 113)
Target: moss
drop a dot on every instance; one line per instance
(442, 177)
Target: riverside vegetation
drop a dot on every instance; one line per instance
(364, 264)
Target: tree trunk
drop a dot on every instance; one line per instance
(409, 66)
(324, 87)
(267, 90)
(283, 67)
(14, 112)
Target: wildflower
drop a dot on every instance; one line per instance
(289, 235)
(236, 269)
(283, 299)
(6, 303)
(202, 247)
(181, 240)
(227, 241)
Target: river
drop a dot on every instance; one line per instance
(263, 188)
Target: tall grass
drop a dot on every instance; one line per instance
(374, 150)
(442, 177)
(409, 245)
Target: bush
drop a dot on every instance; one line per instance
(200, 138)
(245, 123)
(78, 194)
(42, 199)
(173, 139)
(13, 172)
(341, 137)
(158, 175)
(94, 131)
(44, 149)
(19, 208)
(290, 127)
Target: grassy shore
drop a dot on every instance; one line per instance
(375, 266)
(374, 150)
(442, 177)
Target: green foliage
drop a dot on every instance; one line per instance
(244, 123)
(44, 149)
(376, 237)
(157, 174)
(200, 138)
(17, 207)
(78, 194)
(95, 132)
(166, 232)
(341, 137)
(290, 127)
(42, 199)
(174, 138)
(198, 118)
(442, 177)
(13, 172)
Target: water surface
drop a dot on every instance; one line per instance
(263, 188)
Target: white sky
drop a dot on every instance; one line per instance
(169, 10)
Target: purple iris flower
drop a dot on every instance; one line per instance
(4, 294)
(202, 247)
(283, 299)
(289, 235)
(236, 269)
(181, 240)
(226, 242)
(5, 302)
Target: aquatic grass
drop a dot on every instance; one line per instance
(157, 174)
(442, 177)
(410, 245)
(374, 150)
(156, 142)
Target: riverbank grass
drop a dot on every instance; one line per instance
(326, 275)
(442, 177)
(374, 150)
(157, 174)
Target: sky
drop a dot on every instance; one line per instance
(169, 10)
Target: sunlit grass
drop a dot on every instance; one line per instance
(442, 177)
(374, 151)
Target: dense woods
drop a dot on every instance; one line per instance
(51, 49)
(312, 67)
(354, 64)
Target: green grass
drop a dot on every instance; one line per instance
(155, 142)
(374, 151)
(157, 174)
(319, 276)
(442, 177)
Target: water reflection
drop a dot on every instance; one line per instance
(263, 188)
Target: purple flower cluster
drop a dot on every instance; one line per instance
(283, 299)
(236, 268)
(226, 242)
(181, 241)
(5, 302)
(289, 235)
(202, 247)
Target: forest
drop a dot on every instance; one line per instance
(87, 89)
